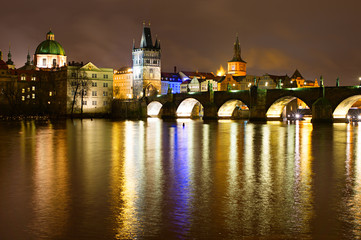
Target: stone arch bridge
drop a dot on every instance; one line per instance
(328, 104)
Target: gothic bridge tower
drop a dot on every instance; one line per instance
(146, 66)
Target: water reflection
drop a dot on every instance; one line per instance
(153, 179)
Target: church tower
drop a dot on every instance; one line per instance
(236, 66)
(146, 66)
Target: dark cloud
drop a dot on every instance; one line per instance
(317, 37)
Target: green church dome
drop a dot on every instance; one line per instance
(50, 46)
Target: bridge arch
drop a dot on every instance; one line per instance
(231, 108)
(190, 107)
(153, 108)
(150, 90)
(344, 106)
(278, 106)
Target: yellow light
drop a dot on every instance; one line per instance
(221, 71)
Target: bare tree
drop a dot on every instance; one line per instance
(80, 84)
(11, 92)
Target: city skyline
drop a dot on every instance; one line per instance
(275, 37)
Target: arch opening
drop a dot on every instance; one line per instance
(190, 107)
(349, 106)
(233, 109)
(153, 109)
(288, 107)
(150, 90)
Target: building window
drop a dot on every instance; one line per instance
(94, 93)
(23, 78)
(44, 61)
(50, 94)
(23, 90)
(54, 62)
(105, 76)
(73, 83)
(33, 78)
(33, 88)
(73, 75)
(84, 102)
(33, 95)
(94, 103)
(94, 75)
(72, 92)
(105, 103)
(105, 84)
(23, 98)
(105, 93)
(94, 84)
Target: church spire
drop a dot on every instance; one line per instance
(28, 59)
(9, 62)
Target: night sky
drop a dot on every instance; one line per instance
(317, 37)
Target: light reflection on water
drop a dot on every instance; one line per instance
(153, 179)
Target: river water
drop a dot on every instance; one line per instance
(152, 179)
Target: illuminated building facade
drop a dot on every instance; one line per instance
(92, 87)
(49, 53)
(198, 81)
(171, 81)
(146, 66)
(123, 83)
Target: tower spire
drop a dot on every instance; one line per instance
(9, 62)
(146, 41)
(28, 58)
(237, 51)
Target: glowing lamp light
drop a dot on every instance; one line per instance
(359, 117)
(348, 116)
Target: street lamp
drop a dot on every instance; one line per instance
(359, 80)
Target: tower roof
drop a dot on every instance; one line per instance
(146, 41)
(296, 74)
(237, 52)
(50, 46)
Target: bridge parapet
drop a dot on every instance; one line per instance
(336, 100)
